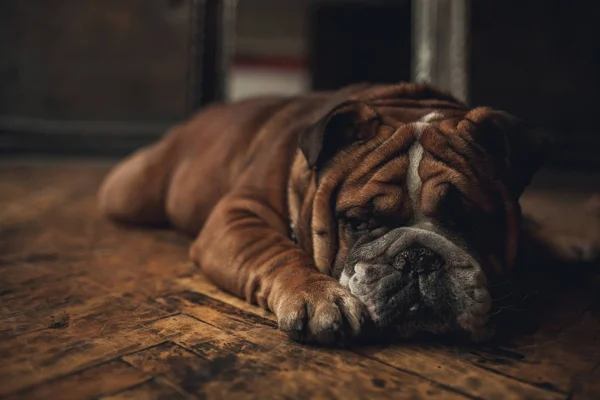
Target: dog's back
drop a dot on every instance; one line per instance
(180, 178)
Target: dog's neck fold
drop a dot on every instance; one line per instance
(301, 189)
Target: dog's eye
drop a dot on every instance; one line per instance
(461, 215)
(452, 208)
(360, 225)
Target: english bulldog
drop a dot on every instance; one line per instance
(389, 205)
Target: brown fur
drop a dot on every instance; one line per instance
(233, 175)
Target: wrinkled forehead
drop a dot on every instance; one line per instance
(409, 162)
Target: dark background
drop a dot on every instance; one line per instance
(103, 77)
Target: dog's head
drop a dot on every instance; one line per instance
(410, 199)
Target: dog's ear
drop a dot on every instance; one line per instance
(519, 148)
(346, 123)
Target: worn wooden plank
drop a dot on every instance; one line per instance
(259, 362)
(439, 364)
(210, 377)
(46, 291)
(23, 314)
(587, 386)
(57, 218)
(147, 267)
(71, 241)
(562, 345)
(150, 390)
(99, 315)
(104, 379)
(140, 261)
(28, 191)
(33, 269)
(199, 284)
(69, 298)
(54, 213)
(553, 356)
(447, 365)
(33, 358)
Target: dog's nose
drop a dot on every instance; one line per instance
(420, 260)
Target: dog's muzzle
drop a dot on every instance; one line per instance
(414, 279)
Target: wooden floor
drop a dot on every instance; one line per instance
(89, 309)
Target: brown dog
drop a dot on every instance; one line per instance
(396, 204)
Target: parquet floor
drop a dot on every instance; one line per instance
(89, 309)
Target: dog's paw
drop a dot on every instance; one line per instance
(576, 249)
(321, 311)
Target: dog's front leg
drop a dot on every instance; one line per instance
(543, 245)
(244, 248)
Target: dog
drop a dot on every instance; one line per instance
(390, 205)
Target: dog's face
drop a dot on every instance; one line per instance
(416, 219)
